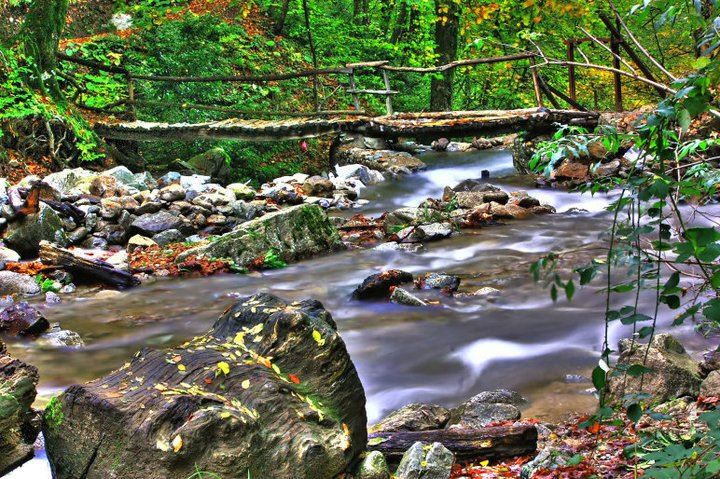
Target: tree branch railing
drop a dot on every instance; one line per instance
(350, 69)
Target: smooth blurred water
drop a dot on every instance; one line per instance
(442, 354)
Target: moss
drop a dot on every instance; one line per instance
(53, 415)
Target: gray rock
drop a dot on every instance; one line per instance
(379, 285)
(52, 298)
(242, 191)
(68, 289)
(414, 417)
(168, 236)
(21, 319)
(674, 373)
(169, 178)
(472, 199)
(249, 419)
(426, 461)
(16, 283)
(373, 466)
(293, 233)
(486, 408)
(71, 181)
(60, 338)
(25, 235)
(710, 386)
(401, 296)
(173, 192)
(152, 223)
(6, 254)
(18, 428)
(399, 219)
(431, 232)
(318, 186)
(440, 281)
(406, 247)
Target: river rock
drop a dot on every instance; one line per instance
(318, 186)
(381, 160)
(373, 466)
(173, 192)
(105, 186)
(168, 236)
(674, 373)
(607, 169)
(710, 386)
(439, 281)
(426, 461)
(8, 255)
(60, 338)
(379, 285)
(139, 241)
(152, 223)
(404, 297)
(399, 219)
(269, 392)
(71, 181)
(21, 319)
(242, 191)
(571, 170)
(429, 232)
(17, 283)
(472, 199)
(366, 175)
(18, 420)
(293, 233)
(214, 163)
(486, 408)
(414, 417)
(24, 235)
(440, 144)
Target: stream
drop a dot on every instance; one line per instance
(442, 354)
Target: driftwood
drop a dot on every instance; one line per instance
(90, 268)
(487, 443)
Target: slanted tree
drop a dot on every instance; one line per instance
(40, 36)
(447, 26)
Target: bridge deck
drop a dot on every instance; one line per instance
(453, 124)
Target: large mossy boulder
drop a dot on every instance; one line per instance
(294, 233)
(269, 392)
(25, 234)
(214, 163)
(673, 373)
(18, 424)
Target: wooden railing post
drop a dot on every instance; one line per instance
(572, 88)
(536, 82)
(388, 96)
(353, 87)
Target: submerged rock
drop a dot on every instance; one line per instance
(18, 421)
(447, 282)
(426, 461)
(293, 233)
(379, 285)
(414, 417)
(674, 373)
(269, 392)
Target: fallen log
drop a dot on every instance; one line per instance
(90, 268)
(487, 443)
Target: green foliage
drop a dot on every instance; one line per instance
(273, 261)
(53, 414)
(46, 284)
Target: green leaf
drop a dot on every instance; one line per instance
(599, 378)
(637, 370)
(634, 412)
(570, 290)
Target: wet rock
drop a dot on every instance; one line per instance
(439, 281)
(472, 199)
(379, 285)
(152, 223)
(381, 160)
(406, 247)
(404, 297)
(24, 235)
(440, 144)
(508, 211)
(414, 417)
(711, 361)
(373, 466)
(68, 289)
(242, 191)
(232, 414)
(361, 172)
(167, 237)
(60, 338)
(17, 283)
(21, 319)
(608, 169)
(487, 291)
(710, 386)
(399, 219)
(52, 298)
(318, 186)
(674, 373)
(173, 192)
(293, 233)
(426, 461)
(6, 254)
(523, 199)
(430, 232)
(18, 420)
(486, 408)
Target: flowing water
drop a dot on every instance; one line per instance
(442, 354)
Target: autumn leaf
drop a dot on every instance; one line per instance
(223, 368)
(294, 379)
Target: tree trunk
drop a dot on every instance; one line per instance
(400, 23)
(280, 25)
(360, 12)
(446, 46)
(41, 34)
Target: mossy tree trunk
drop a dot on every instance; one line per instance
(447, 28)
(41, 35)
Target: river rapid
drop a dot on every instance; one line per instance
(443, 354)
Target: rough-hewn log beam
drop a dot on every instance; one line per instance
(91, 269)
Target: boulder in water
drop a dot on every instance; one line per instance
(21, 319)
(404, 297)
(24, 235)
(426, 461)
(380, 285)
(18, 425)
(293, 233)
(269, 392)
